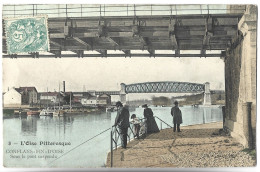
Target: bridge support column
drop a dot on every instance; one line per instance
(122, 93)
(241, 80)
(207, 98)
(123, 98)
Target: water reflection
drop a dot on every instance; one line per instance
(29, 125)
(58, 126)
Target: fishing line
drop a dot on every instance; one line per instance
(79, 145)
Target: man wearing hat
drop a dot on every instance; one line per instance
(177, 116)
(122, 121)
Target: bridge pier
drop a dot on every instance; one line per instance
(207, 98)
(122, 94)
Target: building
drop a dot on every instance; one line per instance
(22, 96)
(29, 95)
(51, 97)
(12, 98)
(104, 100)
(89, 101)
(77, 96)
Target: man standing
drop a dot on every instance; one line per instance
(122, 121)
(177, 116)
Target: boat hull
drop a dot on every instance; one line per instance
(33, 113)
(45, 112)
(59, 113)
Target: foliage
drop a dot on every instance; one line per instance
(251, 152)
(161, 101)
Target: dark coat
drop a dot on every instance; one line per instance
(122, 118)
(148, 113)
(177, 116)
(151, 123)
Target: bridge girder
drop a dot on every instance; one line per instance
(185, 32)
(165, 87)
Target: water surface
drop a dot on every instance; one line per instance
(75, 130)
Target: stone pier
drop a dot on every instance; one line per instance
(207, 98)
(240, 80)
(122, 93)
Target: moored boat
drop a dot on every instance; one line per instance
(111, 109)
(17, 112)
(58, 112)
(33, 113)
(46, 112)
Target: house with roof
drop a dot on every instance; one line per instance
(89, 101)
(104, 100)
(22, 96)
(101, 100)
(12, 98)
(29, 95)
(51, 98)
(78, 96)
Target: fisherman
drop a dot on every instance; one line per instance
(177, 116)
(122, 121)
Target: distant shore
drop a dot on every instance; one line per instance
(202, 145)
(9, 112)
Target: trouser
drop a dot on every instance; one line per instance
(137, 129)
(178, 127)
(123, 136)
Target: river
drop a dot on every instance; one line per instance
(75, 130)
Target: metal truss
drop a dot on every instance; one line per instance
(165, 87)
(107, 92)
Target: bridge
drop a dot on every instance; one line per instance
(161, 87)
(164, 87)
(200, 28)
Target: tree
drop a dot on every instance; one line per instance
(160, 101)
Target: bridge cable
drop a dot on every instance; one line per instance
(80, 145)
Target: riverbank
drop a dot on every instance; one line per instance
(196, 146)
(10, 112)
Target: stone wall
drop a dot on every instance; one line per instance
(240, 77)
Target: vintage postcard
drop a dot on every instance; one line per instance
(129, 85)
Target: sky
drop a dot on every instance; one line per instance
(106, 74)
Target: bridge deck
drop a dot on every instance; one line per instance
(174, 32)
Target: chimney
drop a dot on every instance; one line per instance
(64, 86)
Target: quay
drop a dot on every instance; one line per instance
(201, 145)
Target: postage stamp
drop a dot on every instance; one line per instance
(26, 34)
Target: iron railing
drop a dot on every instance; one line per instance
(115, 135)
(87, 10)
